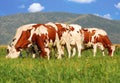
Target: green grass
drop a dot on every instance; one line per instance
(87, 69)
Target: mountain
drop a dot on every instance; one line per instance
(9, 24)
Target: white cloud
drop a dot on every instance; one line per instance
(117, 5)
(107, 16)
(35, 7)
(82, 1)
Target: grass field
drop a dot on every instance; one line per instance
(87, 69)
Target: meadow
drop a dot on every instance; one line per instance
(87, 69)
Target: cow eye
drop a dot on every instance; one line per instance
(14, 39)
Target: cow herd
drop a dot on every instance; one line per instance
(59, 36)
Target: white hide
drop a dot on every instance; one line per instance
(77, 37)
(38, 31)
(12, 52)
(66, 39)
(73, 38)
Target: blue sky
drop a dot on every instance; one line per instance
(109, 9)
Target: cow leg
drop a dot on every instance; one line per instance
(33, 56)
(60, 51)
(40, 44)
(48, 52)
(68, 49)
(94, 50)
(20, 54)
(79, 51)
(45, 52)
(113, 49)
(102, 49)
(36, 51)
(33, 51)
(103, 52)
(74, 52)
(59, 47)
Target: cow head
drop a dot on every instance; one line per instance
(12, 52)
(111, 50)
(16, 46)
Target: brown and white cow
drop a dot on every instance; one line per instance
(94, 37)
(22, 35)
(43, 35)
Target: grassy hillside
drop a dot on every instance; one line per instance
(9, 24)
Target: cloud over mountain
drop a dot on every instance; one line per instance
(35, 7)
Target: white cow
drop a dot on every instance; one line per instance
(73, 39)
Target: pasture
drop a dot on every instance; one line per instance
(87, 69)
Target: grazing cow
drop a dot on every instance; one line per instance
(70, 36)
(73, 38)
(44, 36)
(94, 37)
(20, 41)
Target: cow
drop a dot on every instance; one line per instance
(94, 37)
(22, 35)
(73, 39)
(43, 35)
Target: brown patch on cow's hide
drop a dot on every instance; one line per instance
(23, 40)
(88, 35)
(51, 32)
(37, 25)
(61, 29)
